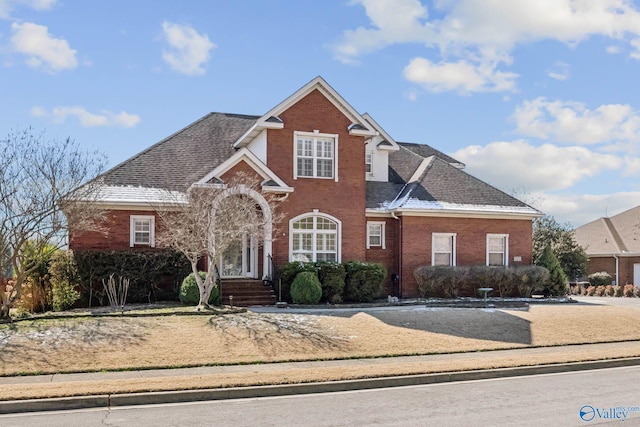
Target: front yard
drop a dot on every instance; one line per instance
(78, 344)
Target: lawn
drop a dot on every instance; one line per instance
(175, 337)
(77, 344)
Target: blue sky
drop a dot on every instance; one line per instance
(538, 97)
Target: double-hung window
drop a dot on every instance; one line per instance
(443, 249)
(142, 230)
(497, 249)
(368, 162)
(375, 234)
(315, 155)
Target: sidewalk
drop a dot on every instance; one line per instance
(102, 389)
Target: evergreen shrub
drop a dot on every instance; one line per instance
(363, 281)
(190, 293)
(306, 288)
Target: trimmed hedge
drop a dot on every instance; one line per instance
(366, 279)
(452, 282)
(190, 293)
(288, 273)
(363, 281)
(153, 274)
(332, 278)
(306, 288)
(601, 278)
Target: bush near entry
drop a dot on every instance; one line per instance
(363, 281)
(306, 288)
(366, 280)
(190, 293)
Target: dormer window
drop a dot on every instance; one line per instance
(315, 155)
(368, 162)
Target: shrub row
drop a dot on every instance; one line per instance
(153, 274)
(350, 281)
(453, 282)
(629, 291)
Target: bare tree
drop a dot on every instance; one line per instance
(41, 181)
(211, 218)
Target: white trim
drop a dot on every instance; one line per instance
(420, 170)
(381, 131)
(382, 225)
(453, 253)
(244, 154)
(267, 244)
(152, 230)
(325, 89)
(316, 214)
(505, 254)
(368, 161)
(315, 135)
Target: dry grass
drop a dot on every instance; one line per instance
(112, 343)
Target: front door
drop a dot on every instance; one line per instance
(239, 259)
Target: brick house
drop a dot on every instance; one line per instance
(613, 245)
(349, 191)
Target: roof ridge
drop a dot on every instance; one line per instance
(616, 236)
(436, 158)
(164, 140)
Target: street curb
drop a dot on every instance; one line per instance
(151, 398)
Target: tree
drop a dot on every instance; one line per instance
(572, 257)
(206, 219)
(45, 185)
(557, 283)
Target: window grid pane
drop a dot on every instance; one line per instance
(375, 234)
(319, 243)
(442, 259)
(141, 231)
(315, 157)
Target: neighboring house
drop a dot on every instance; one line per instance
(349, 191)
(613, 245)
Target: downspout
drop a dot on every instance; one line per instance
(394, 216)
(617, 269)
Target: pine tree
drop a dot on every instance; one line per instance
(557, 283)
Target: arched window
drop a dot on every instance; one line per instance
(314, 237)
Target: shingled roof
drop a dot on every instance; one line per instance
(431, 182)
(184, 157)
(425, 150)
(420, 177)
(619, 234)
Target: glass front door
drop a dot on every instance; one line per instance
(239, 259)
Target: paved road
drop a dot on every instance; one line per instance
(542, 400)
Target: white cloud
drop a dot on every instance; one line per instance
(580, 209)
(87, 119)
(42, 49)
(187, 51)
(559, 71)
(613, 50)
(476, 31)
(519, 164)
(6, 6)
(572, 122)
(460, 76)
(635, 44)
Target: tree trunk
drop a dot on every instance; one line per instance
(4, 311)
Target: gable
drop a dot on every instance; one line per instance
(358, 125)
(246, 162)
